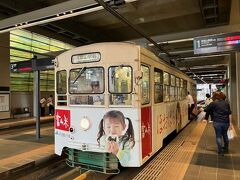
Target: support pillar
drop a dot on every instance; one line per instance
(238, 87)
(5, 102)
(36, 101)
(233, 86)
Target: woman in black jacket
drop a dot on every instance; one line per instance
(221, 116)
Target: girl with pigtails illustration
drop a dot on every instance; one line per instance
(114, 137)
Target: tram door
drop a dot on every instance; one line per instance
(146, 113)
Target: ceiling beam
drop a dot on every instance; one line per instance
(54, 35)
(192, 34)
(81, 30)
(52, 13)
(47, 12)
(208, 71)
(204, 62)
(201, 67)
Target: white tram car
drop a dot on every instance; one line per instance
(115, 103)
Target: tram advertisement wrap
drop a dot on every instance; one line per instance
(115, 131)
(62, 120)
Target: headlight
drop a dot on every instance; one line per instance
(85, 123)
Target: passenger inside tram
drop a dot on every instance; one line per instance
(96, 99)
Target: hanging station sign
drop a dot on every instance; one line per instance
(22, 66)
(42, 64)
(32, 65)
(217, 43)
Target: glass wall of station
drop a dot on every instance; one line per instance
(23, 46)
(203, 89)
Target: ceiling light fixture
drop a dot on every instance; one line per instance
(207, 56)
(173, 41)
(37, 17)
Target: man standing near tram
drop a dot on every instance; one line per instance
(190, 105)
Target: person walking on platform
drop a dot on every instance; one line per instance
(190, 105)
(207, 102)
(42, 106)
(222, 120)
(50, 105)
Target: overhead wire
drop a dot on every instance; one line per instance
(141, 32)
(196, 76)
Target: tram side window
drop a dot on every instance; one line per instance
(120, 85)
(181, 90)
(145, 86)
(184, 89)
(158, 85)
(172, 88)
(194, 90)
(61, 88)
(166, 87)
(177, 89)
(62, 82)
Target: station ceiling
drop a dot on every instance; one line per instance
(171, 23)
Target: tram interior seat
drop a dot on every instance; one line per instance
(119, 99)
(96, 99)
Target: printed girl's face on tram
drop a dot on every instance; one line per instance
(113, 126)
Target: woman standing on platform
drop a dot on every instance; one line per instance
(221, 116)
(42, 106)
(207, 102)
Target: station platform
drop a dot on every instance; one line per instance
(21, 151)
(193, 155)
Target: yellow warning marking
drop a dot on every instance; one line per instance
(83, 176)
(175, 157)
(178, 165)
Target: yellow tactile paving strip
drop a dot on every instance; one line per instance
(177, 166)
(172, 162)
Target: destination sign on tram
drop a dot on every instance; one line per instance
(86, 58)
(217, 43)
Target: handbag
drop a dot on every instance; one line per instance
(201, 116)
(195, 111)
(230, 134)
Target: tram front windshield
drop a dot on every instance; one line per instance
(87, 85)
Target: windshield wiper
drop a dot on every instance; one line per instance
(79, 74)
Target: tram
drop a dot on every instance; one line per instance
(115, 103)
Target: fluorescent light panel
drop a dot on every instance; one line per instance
(39, 16)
